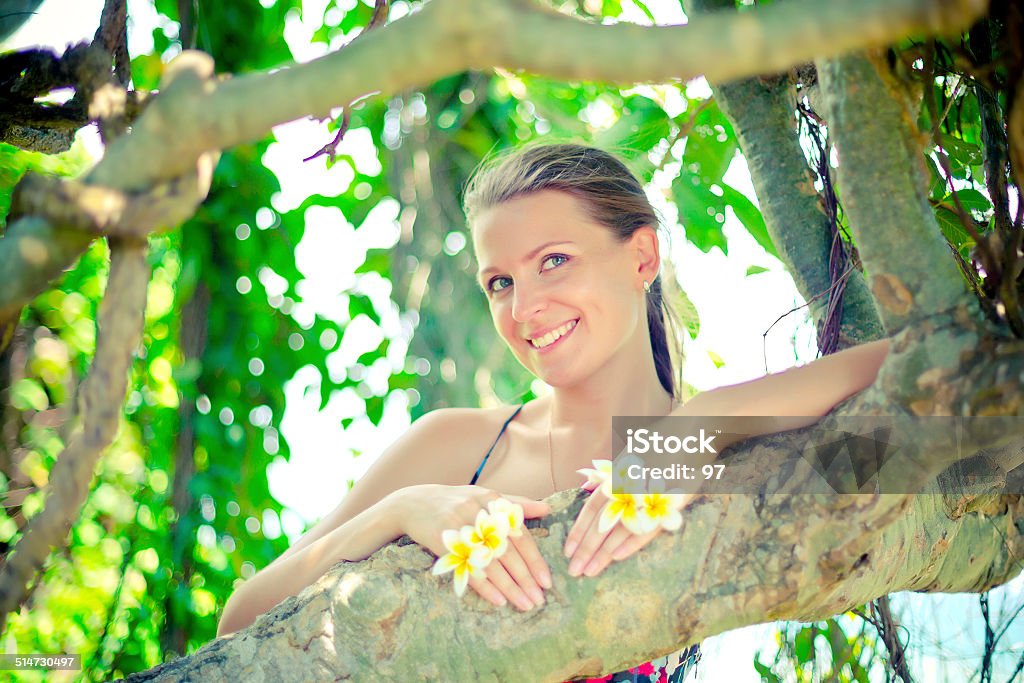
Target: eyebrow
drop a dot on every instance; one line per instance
(529, 257)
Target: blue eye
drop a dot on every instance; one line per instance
(491, 285)
(494, 285)
(556, 256)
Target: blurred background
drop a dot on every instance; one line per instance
(311, 310)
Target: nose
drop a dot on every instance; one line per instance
(527, 301)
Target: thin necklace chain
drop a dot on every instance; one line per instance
(551, 456)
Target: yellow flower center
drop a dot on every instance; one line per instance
(657, 506)
(487, 536)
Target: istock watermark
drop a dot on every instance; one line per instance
(843, 455)
(641, 441)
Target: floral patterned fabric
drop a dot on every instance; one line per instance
(670, 669)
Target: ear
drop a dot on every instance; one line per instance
(646, 254)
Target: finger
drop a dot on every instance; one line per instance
(589, 485)
(488, 591)
(587, 517)
(499, 576)
(603, 556)
(531, 508)
(520, 572)
(631, 544)
(591, 540)
(515, 565)
(527, 546)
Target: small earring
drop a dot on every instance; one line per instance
(647, 287)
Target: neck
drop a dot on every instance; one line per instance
(587, 409)
(627, 384)
(580, 423)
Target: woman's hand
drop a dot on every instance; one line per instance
(591, 550)
(518, 576)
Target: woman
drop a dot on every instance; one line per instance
(568, 257)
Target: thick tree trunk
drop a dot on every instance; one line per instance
(738, 560)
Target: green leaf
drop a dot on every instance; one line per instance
(643, 125)
(966, 153)
(937, 189)
(146, 71)
(767, 675)
(611, 8)
(711, 145)
(643, 8)
(716, 359)
(360, 304)
(756, 270)
(403, 380)
(972, 199)
(748, 214)
(372, 355)
(686, 313)
(699, 212)
(27, 394)
(377, 261)
(804, 644)
(375, 408)
(953, 229)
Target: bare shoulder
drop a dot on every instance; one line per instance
(442, 446)
(462, 429)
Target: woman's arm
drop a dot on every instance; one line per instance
(355, 540)
(364, 521)
(809, 390)
(793, 398)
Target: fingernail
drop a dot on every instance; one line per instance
(525, 604)
(574, 567)
(592, 569)
(545, 579)
(570, 548)
(502, 601)
(538, 597)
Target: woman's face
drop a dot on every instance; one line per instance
(564, 293)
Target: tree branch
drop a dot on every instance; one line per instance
(37, 247)
(32, 252)
(112, 34)
(366, 620)
(102, 395)
(739, 559)
(882, 176)
(762, 113)
(120, 323)
(450, 36)
(107, 211)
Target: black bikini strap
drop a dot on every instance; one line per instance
(484, 461)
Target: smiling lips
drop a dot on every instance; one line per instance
(553, 336)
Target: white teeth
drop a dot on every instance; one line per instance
(550, 338)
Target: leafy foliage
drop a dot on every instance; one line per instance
(821, 651)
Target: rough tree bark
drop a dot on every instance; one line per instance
(739, 559)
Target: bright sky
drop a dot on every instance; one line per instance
(735, 312)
